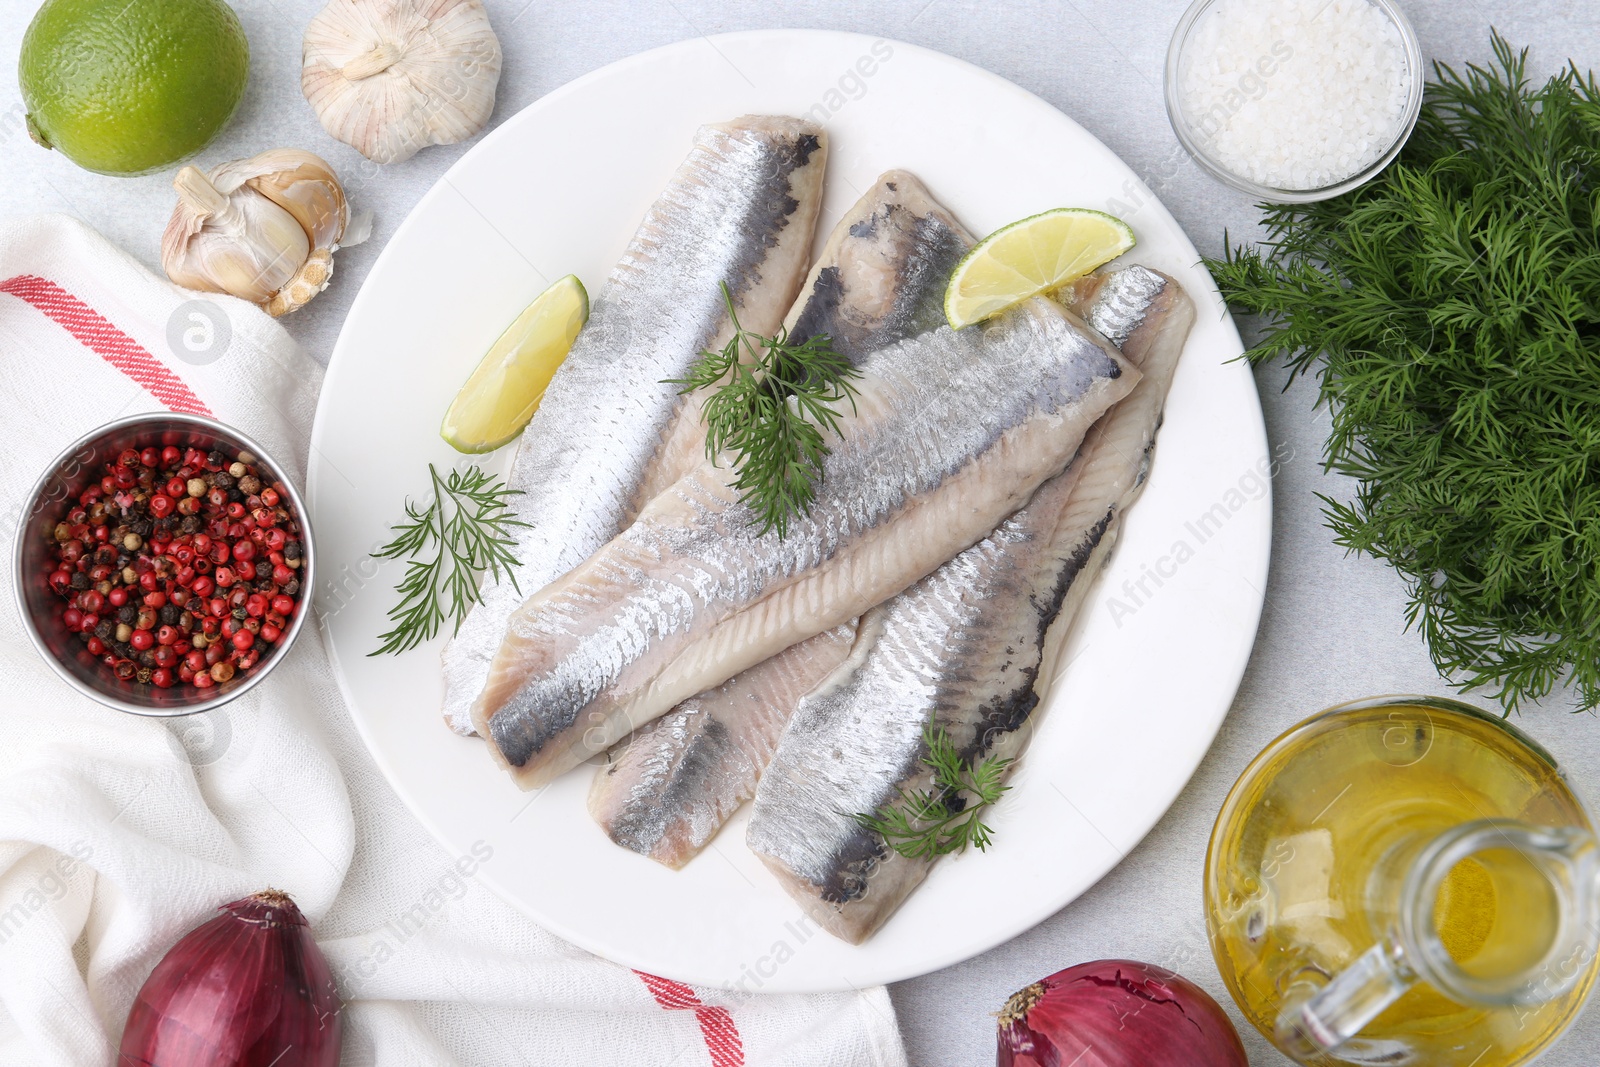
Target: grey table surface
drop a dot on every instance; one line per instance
(1333, 627)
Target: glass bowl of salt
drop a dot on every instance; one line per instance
(1293, 100)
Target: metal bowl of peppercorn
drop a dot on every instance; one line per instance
(165, 564)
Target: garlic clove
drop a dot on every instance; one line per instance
(389, 77)
(312, 277)
(264, 229)
(239, 242)
(301, 183)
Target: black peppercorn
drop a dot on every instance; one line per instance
(104, 629)
(127, 614)
(80, 580)
(291, 550)
(170, 614)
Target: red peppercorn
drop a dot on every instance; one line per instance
(166, 656)
(118, 596)
(150, 457)
(244, 551)
(185, 575)
(282, 575)
(203, 681)
(170, 456)
(223, 576)
(91, 601)
(195, 660)
(96, 646)
(60, 581)
(283, 605)
(89, 623)
(202, 586)
(217, 606)
(141, 640)
(72, 618)
(270, 633)
(202, 544)
(243, 640)
(157, 599)
(269, 497)
(160, 506)
(161, 678)
(176, 487)
(256, 605)
(167, 635)
(215, 653)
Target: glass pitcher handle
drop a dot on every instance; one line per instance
(1322, 1019)
(1317, 1018)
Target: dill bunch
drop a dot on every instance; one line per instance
(1450, 309)
(465, 530)
(928, 823)
(772, 400)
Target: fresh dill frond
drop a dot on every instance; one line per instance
(927, 823)
(772, 404)
(467, 526)
(1451, 309)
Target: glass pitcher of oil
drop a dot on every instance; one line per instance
(1405, 880)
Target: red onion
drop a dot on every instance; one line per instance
(1116, 1013)
(247, 989)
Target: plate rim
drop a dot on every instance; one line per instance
(1022, 919)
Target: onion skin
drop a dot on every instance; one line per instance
(1116, 1013)
(250, 988)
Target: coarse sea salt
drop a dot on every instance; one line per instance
(1295, 94)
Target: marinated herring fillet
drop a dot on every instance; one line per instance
(741, 209)
(951, 431)
(967, 648)
(667, 789)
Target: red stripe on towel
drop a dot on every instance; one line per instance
(95, 332)
(716, 1024)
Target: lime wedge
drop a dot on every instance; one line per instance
(505, 390)
(1027, 258)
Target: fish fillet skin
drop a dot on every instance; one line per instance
(741, 209)
(968, 647)
(667, 790)
(950, 432)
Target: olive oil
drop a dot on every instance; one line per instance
(1321, 828)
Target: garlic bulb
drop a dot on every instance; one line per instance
(388, 77)
(264, 229)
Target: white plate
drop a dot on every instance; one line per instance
(559, 188)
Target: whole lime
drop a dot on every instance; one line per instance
(130, 86)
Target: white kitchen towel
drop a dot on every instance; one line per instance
(120, 833)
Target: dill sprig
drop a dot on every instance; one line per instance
(467, 526)
(772, 403)
(926, 823)
(1451, 309)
